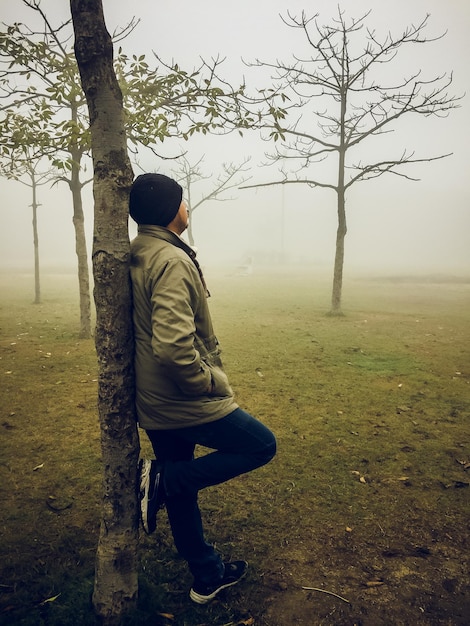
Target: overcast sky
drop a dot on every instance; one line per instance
(394, 224)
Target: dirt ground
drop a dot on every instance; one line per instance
(421, 580)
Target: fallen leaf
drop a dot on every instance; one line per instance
(38, 467)
(52, 599)
(403, 409)
(363, 480)
(374, 583)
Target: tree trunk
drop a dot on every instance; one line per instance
(80, 238)
(116, 560)
(341, 208)
(339, 257)
(190, 223)
(81, 251)
(190, 231)
(37, 285)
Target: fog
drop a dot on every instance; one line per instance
(394, 225)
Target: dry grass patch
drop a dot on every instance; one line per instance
(367, 497)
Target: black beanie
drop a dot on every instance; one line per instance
(154, 199)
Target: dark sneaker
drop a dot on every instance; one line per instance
(234, 572)
(151, 493)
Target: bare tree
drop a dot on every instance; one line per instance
(116, 586)
(340, 100)
(231, 177)
(36, 179)
(21, 164)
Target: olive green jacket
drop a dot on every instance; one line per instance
(177, 356)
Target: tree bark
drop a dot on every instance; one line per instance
(341, 230)
(190, 223)
(80, 239)
(339, 257)
(116, 560)
(37, 284)
(82, 255)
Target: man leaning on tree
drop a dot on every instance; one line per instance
(183, 396)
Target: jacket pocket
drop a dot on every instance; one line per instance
(209, 350)
(220, 385)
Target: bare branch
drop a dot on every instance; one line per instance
(389, 167)
(299, 181)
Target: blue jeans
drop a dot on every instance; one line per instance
(240, 443)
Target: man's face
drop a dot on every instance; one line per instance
(181, 219)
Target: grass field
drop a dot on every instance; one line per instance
(361, 519)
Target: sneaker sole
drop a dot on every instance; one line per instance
(200, 599)
(144, 494)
